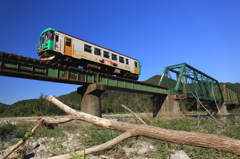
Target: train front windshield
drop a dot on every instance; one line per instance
(44, 39)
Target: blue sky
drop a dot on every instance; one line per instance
(203, 33)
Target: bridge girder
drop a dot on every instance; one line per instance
(190, 80)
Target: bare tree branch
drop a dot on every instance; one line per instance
(98, 147)
(49, 120)
(205, 108)
(134, 114)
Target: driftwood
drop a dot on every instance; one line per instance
(210, 141)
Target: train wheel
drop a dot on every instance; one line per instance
(135, 77)
(126, 75)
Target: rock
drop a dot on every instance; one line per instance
(41, 141)
(42, 147)
(74, 137)
(93, 157)
(29, 155)
(172, 156)
(105, 157)
(72, 142)
(65, 144)
(179, 155)
(69, 150)
(34, 144)
(152, 147)
(128, 151)
(50, 155)
(142, 151)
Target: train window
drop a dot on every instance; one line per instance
(57, 38)
(136, 64)
(114, 57)
(97, 51)
(51, 35)
(106, 54)
(87, 48)
(127, 61)
(42, 39)
(121, 59)
(46, 36)
(68, 42)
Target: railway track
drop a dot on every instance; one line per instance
(41, 63)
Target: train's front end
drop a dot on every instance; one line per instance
(46, 44)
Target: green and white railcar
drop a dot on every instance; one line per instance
(68, 50)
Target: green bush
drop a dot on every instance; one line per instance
(12, 130)
(6, 130)
(49, 132)
(235, 111)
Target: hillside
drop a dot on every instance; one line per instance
(153, 80)
(2, 104)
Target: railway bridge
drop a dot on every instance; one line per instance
(164, 97)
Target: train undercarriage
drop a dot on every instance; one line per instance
(61, 60)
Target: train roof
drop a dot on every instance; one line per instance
(48, 30)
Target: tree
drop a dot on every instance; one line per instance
(2, 108)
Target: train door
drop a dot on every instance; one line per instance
(136, 67)
(68, 46)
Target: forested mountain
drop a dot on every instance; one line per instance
(2, 104)
(234, 86)
(111, 102)
(2, 107)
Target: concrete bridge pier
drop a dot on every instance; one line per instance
(223, 109)
(165, 107)
(91, 102)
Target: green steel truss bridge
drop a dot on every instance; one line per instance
(188, 81)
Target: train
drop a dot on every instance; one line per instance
(64, 49)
